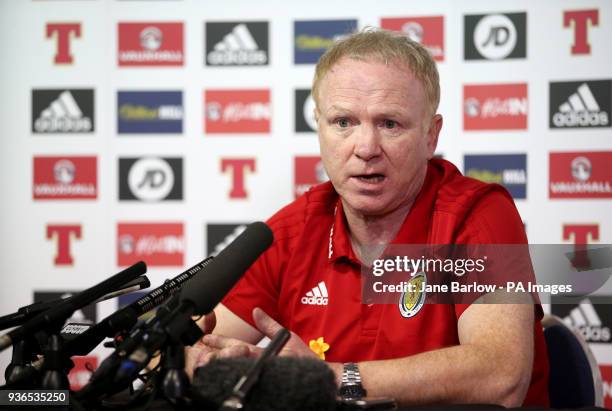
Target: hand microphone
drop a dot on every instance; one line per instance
(286, 383)
(202, 295)
(77, 337)
(101, 381)
(250, 378)
(30, 311)
(54, 317)
(125, 318)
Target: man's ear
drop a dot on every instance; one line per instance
(433, 133)
(316, 114)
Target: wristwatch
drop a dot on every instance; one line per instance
(351, 387)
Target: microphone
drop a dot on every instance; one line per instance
(202, 295)
(248, 380)
(205, 292)
(125, 318)
(101, 380)
(54, 317)
(29, 311)
(286, 383)
(139, 283)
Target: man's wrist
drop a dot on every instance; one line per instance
(337, 368)
(350, 386)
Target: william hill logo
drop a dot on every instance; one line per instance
(313, 38)
(508, 170)
(150, 112)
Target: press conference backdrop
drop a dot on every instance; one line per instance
(154, 129)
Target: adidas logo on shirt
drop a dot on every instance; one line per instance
(61, 113)
(576, 104)
(317, 296)
(585, 320)
(239, 46)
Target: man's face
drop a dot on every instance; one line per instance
(376, 134)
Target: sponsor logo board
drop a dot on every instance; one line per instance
(150, 44)
(495, 107)
(313, 37)
(580, 175)
(62, 111)
(237, 44)
(237, 111)
(428, 31)
(580, 22)
(149, 112)
(580, 104)
(237, 168)
(495, 36)
(85, 315)
(309, 171)
(508, 170)
(304, 112)
(151, 179)
(61, 178)
(159, 244)
(606, 376)
(591, 317)
(63, 234)
(219, 236)
(127, 299)
(81, 372)
(63, 33)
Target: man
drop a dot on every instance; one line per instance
(376, 97)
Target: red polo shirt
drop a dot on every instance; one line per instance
(310, 279)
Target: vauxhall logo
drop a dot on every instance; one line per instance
(150, 179)
(495, 36)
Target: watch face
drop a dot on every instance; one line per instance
(352, 391)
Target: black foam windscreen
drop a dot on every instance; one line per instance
(207, 290)
(285, 383)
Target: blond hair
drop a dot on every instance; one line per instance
(386, 47)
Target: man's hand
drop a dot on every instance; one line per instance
(218, 346)
(192, 354)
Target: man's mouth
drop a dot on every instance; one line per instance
(370, 178)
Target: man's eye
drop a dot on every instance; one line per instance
(390, 123)
(343, 122)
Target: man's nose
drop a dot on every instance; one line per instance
(367, 143)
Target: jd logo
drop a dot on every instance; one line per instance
(495, 36)
(150, 179)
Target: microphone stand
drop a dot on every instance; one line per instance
(24, 369)
(55, 375)
(19, 373)
(175, 383)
